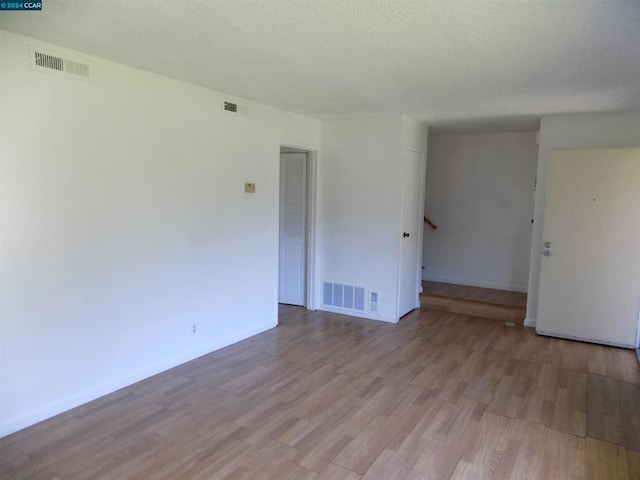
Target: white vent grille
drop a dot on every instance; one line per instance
(49, 61)
(54, 63)
(343, 296)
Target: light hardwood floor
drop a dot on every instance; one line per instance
(329, 397)
(478, 294)
(498, 305)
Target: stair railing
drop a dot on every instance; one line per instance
(430, 223)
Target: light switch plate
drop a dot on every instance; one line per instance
(250, 187)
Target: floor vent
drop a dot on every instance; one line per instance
(52, 62)
(343, 296)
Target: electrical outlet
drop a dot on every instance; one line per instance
(194, 327)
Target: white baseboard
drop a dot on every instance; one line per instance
(476, 283)
(529, 322)
(585, 339)
(12, 425)
(352, 313)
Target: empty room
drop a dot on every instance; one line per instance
(320, 239)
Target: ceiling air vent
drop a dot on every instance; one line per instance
(55, 63)
(232, 107)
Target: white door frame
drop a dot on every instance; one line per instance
(423, 196)
(423, 176)
(310, 267)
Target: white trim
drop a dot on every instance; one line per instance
(529, 322)
(423, 183)
(312, 175)
(353, 313)
(18, 423)
(312, 187)
(638, 332)
(583, 339)
(476, 283)
(423, 194)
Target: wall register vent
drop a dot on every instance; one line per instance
(343, 296)
(233, 107)
(51, 62)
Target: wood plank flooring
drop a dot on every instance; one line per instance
(478, 294)
(499, 305)
(328, 397)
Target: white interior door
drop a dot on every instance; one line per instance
(293, 228)
(411, 244)
(590, 282)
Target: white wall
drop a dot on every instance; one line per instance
(123, 221)
(359, 192)
(415, 134)
(589, 130)
(360, 206)
(480, 195)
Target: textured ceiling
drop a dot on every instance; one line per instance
(460, 65)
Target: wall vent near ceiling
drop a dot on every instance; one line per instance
(233, 107)
(51, 62)
(343, 296)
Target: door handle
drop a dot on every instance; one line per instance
(405, 235)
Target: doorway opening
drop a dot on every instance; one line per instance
(296, 226)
